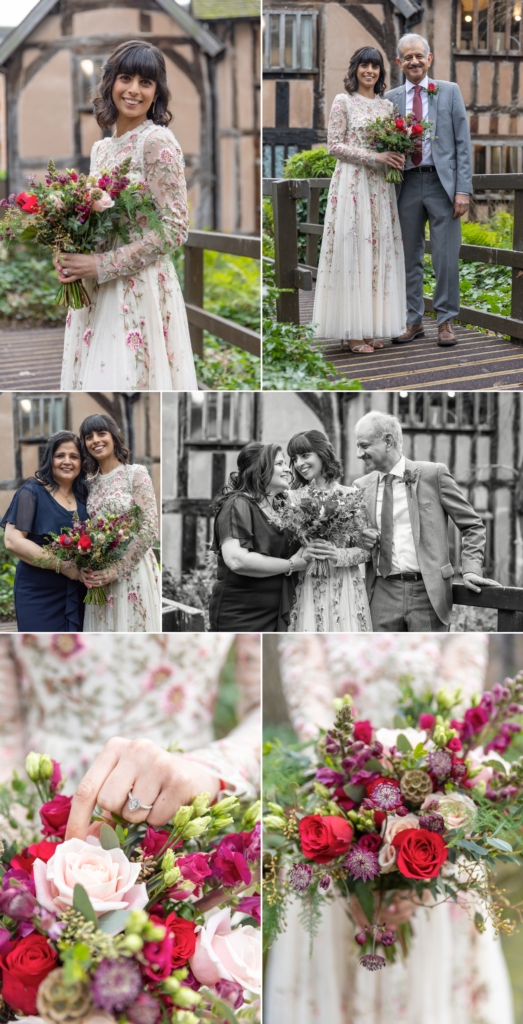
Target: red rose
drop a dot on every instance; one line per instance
(420, 852)
(400, 123)
(27, 203)
(24, 969)
(324, 838)
(363, 731)
(184, 939)
(416, 129)
(426, 721)
(23, 862)
(85, 543)
(370, 841)
(431, 87)
(43, 850)
(55, 815)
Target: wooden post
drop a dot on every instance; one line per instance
(284, 196)
(193, 291)
(313, 217)
(517, 244)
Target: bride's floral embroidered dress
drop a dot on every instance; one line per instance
(135, 335)
(133, 600)
(360, 290)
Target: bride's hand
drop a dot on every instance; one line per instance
(98, 577)
(400, 910)
(392, 159)
(323, 549)
(165, 781)
(71, 266)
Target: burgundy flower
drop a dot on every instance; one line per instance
(194, 867)
(17, 903)
(476, 718)
(363, 731)
(55, 815)
(253, 843)
(373, 962)
(384, 793)
(387, 938)
(116, 985)
(370, 841)
(426, 721)
(231, 992)
(434, 822)
(153, 842)
(300, 877)
(159, 954)
(251, 905)
(325, 882)
(361, 938)
(329, 777)
(362, 864)
(228, 861)
(145, 1010)
(342, 799)
(440, 763)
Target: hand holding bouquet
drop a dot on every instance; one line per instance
(75, 213)
(95, 544)
(333, 515)
(421, 812)
(395, 134)
(114, 929)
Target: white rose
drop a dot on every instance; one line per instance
(456, 809)
(107, 876)
(394, 823)
(224, 952)
(387, 858)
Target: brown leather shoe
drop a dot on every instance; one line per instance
(413, 331)
(446, 336)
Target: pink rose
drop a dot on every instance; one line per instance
(223, 953)
(108, 877)
(104, 203)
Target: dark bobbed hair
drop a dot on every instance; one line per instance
(44, 473)
(313, 441)
(137, 57)
(97, 422)
(365, 55)
(255, 471)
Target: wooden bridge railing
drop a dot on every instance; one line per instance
(199, 319)
(289, 273)
(181, 618)
(507, 600)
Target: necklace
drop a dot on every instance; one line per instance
(68, 497)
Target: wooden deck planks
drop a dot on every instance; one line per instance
(31, 360)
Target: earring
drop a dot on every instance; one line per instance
(154, 104)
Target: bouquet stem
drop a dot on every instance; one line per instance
(319, 568)
(95, 595)
(73, 295)
(394, 175)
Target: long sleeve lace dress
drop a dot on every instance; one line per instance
(453, 975)
(360, 290)
(134, 598)
(134, 335)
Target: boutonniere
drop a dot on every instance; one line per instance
(432, 89)
(410, 476)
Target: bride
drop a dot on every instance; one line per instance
(338, 602)
(360, 290)
(132, 585)
(134, 335)
(453, 974)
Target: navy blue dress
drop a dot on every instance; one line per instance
(45, 600)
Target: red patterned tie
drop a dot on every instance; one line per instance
(417, 110)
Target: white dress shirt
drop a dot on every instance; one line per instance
(426, 157)
(403, 550)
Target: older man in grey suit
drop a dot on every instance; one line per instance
(409, 578)
(436, 187)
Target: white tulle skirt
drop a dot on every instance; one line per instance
(453, 975)
(360, 289)
(337, 604)
(133, 605)
(133, 336)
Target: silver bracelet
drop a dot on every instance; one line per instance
(291, 570)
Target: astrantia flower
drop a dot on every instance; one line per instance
(385, 794)
(300, 877)
(433, 822)
(440, 763)
(325, 881)
(372, 961)
(387, 938)
(145, 1010)
(362, 864)
(116, 985)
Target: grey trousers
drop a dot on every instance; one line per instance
(423, 198)
(400, 607)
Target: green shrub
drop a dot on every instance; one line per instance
(310, 163)
(28, 286)
(193, 588)
(7, 580)
(473, 233)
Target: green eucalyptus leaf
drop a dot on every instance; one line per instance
(403, 744)
(108, 838)
(83, 905)
(113, 922)
(366, 898)
(355, 793)
(373, 765)
(499, 844)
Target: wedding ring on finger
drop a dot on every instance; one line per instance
(134, 804)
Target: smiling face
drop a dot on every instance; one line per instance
(67, 463)
(308, 465)
(133, 95)
(100, 444)
(281, 475)
(367, 74)
(414, 61)
(375, 450)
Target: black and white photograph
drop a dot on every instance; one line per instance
(307, 512)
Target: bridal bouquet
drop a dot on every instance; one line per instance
(332, 515)
(395, 134)
(421, 812)
(116, 929)
(95, 544)
(80, 214)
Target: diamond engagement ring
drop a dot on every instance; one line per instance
(135, 805)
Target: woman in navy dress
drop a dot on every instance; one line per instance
(48, 599)
(256, 558)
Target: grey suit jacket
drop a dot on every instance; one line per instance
(432, 498)
(451, 148)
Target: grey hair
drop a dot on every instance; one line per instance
(409, 36)
(383, 424)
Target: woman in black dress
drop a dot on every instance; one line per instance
(48, 599)
(256, 558)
